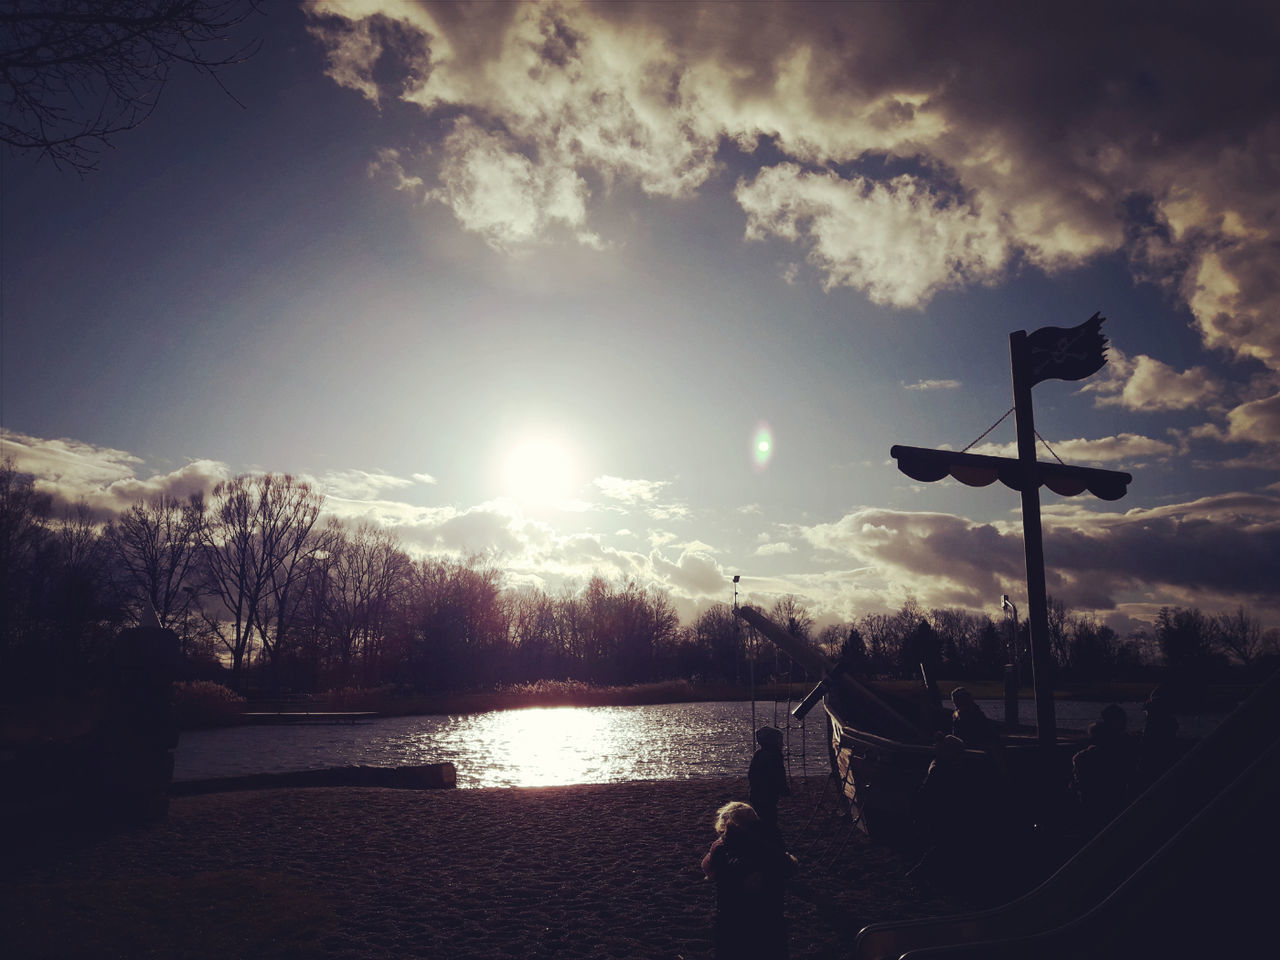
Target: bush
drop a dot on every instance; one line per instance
(202, 703)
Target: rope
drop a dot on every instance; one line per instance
(990, 428)
(775, 686)
(853, 822)
(1047, 447)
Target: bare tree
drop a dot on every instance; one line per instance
(255, 545)
(24, 536)
(364, 570)
(156, 542)
(76, 72)
(287, 515)
(1240, 635)
(793, 616)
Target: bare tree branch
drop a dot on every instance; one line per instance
(73, 73)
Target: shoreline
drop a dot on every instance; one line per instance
(605, 870)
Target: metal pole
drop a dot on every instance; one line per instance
(1011, 679)
(1033, 547)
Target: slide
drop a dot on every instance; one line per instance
(1167, 863)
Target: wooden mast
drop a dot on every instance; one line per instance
(1033, 545)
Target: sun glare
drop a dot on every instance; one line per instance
(540, 469)
(762, 446)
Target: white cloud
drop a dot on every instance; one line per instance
(360, 484)
(918, 148)
(933, 385)
(1124, 448)
(498, 192)
(1147, 384)
(693, 573)
(629, 491)
(105, 478)
(1257, 421)
(897, 241)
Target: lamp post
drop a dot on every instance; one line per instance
(1012, 678)
(751, 665)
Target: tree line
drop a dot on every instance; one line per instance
(264, 595)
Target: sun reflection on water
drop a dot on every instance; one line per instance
(544, 746)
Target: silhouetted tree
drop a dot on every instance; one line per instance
(793, 616)
(1240, 635)
(24, 558)
(1185, 638)
(83, 606)
(459, 624)
(76, 72)
(1092, 649)
(288, 511)
(853, 651)
(884, 642)
(1059, 616)
(540, 653)
(156, 545)
(254, 547)
(719, 633)
(830, 638)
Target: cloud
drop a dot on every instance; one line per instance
(908, 148)
(1215, 552)
(360, 484)
(1146, 384)
(629, 491)
(1257, 421)
(498, 192)
(776, 549)
(66, 461)
(1124, 448)
(933, 385)
(105, 478)
(694, 573)
(425, 478)
(898, 241)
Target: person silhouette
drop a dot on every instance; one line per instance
(767, 776)
(969, 723)
(1101, 773)
(750, 868)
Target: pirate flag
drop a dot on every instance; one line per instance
(1055, 353)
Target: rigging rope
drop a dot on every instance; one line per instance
(1047, 447)
(990, 428)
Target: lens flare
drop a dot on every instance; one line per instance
(762, 446)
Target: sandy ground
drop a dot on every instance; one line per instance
(587, 871)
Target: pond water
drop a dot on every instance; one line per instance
(535, 746)
(549, 746)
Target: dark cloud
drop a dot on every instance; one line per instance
(1215, 553)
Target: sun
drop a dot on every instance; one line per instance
(540, 469)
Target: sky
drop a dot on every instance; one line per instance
(536, 281)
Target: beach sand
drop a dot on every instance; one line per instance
(584, 871)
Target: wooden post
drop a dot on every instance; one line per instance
(1033, 546)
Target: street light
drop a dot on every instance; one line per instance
(736, 578)
(1012, 671)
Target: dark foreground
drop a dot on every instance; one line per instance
(587, 871)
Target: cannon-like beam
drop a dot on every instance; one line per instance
(863, 697)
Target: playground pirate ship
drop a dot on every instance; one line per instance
(882, 742)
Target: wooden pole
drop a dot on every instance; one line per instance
(1033, 547)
